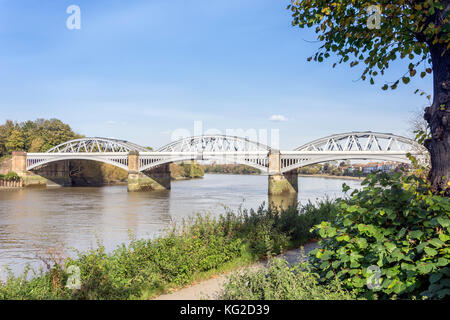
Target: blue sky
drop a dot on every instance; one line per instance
(139, 69)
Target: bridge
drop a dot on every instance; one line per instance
(149, 170)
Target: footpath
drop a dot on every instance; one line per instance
(208, 289)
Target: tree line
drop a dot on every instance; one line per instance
(39, 135)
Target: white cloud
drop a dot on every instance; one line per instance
(278, 118)
(111, 122)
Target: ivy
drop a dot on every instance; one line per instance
(395, 223)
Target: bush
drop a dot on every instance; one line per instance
(394, 224)
(279, 281)
(10, 176)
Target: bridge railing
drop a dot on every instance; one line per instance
(119, 159)
(257, 159)
(291, 160)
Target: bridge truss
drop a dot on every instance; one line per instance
(352, 146)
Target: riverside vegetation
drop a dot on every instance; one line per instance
(393, 234)
(194, 249)
(10, 176)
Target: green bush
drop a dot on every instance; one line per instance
(279, 281)
(395, 224)
(192, 170)
(10, 176)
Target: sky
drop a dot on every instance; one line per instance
(140, 70)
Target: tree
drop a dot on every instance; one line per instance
(375, 33)
(15, 141)
(34, 136)
(36, 145)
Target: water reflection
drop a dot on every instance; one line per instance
(34, 220)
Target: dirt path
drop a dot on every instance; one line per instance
(208, 289)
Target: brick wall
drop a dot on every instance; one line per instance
(5, 166)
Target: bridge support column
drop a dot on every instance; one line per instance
(283, 187)
(19, 163)
(155, 179)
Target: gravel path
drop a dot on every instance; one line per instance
(208, 289)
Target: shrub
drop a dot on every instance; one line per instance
(279, 281)
(10, 176)
(395, 224)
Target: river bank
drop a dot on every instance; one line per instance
(197, 248)
(327, 176)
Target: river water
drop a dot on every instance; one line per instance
(35, 220)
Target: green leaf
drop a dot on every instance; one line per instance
(435, 277)
(430, 251)
(436, 242)
(445, 222)
(425, 268)
(362, 243)
(416, 234)
(442, 262)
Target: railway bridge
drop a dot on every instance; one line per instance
(149, 170)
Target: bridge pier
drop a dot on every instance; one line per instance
(283, 187)
(155, 179)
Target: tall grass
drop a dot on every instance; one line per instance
(197, 246)
(281, 281)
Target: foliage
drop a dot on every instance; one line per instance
(279, 281)
(181, 171)
(405, 30)
(396, 224)
(10, 176)
(33, 136)
(230, 169)
(192, 170)
(146, 267)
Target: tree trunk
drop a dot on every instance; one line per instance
(438, 117)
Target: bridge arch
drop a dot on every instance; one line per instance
(292, 164)
(222, 148)
(256, 160)
(96, 145)
(106, 150)
(118, 160)
(363, 141)
(214, 143)
(355, 145)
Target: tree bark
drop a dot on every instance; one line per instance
(438, 117)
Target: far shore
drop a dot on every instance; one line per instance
(327, 176)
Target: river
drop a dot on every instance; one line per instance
(35, 220)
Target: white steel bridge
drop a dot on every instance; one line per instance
(229, 149)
